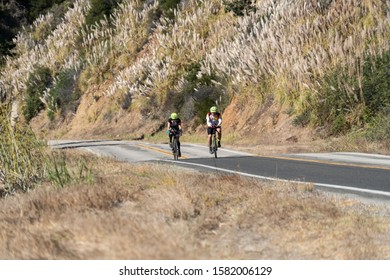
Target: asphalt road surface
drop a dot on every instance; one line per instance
(359, 173)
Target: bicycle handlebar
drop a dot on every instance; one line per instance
(174, 131)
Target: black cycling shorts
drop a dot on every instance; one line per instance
(210, 130)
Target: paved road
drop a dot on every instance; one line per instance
(359, 173)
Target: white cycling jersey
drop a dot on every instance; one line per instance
(213, 119)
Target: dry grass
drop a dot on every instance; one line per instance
(164, 212)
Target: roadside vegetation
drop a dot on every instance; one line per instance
(141, 211)
(21, 156)
(26, 162)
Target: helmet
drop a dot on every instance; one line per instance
(174, 116)
(213, 109)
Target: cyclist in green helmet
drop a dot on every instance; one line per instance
(214, 121)
(174, 127)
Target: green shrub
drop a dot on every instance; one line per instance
(239, 7)
(379, 127)
(64, 94)
(17, 13)
(62, 170)
(7, 33)
(166, 8)
(302, 119)
(193, 81)
(343, 105)
(11, 19)
(38, 81)
(100, 9)
(201, 90)
(336, 101)
(22, 158)
(204, 98)
(376, 83)
(38, 7)
(24, 161)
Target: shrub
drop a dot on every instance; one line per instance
(376, 83)
(204, 98)
(100, 9)
(11, 18)
(38, 81)
(166, 7)
(336, 101)
(38, 7)
(7, 33)
(24, 161)
(302, 119)
(344, 105)
(62, 170)
(201, 90)
(239, 7)
(193, 80)
(64, 94)
(379, 128)
(21, 156)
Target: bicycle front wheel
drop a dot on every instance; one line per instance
(215, 147)
(175, 149)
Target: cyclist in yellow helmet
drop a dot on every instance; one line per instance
(214, 121)
(174, 127)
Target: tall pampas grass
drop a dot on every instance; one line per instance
(290, 45)
(22, 159)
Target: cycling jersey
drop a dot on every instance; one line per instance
(213, 119)
(174, 124)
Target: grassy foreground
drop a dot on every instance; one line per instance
(151, 211)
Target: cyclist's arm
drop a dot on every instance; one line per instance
(219, 120)
(209, 124)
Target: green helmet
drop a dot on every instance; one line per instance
(174, 116)
(213, 109)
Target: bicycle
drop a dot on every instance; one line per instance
(175, 146)
(214, 146)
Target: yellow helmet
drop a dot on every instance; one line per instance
(213, 109)
(174, 116)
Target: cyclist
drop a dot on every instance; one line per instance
(214, 121)
(174, 125)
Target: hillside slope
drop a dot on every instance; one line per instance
(281, 71)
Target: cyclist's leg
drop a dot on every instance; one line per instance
(209, 139)
(170, 139)
(219, 135)
(209, 135)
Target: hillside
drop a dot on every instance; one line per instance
(280, 71)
